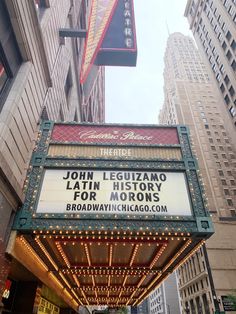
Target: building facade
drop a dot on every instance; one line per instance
(39, 79)
(165, 299)
(143, 308)
(192, 99)
(213, 25)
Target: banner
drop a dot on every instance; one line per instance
(100, 16)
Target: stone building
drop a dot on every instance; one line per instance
(39, 79)
(192, 99)
(213, 25)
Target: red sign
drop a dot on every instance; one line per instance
(114, 135)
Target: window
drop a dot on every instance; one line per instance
(40, 4)
(226, 79)
(76, 119)
(230, 202)
(233, 65)
(202, 284)
(61, 114)
(233, 45)
(10, 58)
(68, 84)
(222, 88)
(232, 111)
(233, 212)
(228, 35)
(229, 55)
(227, 100)
(223, 182)
(231, 91)
(224, 45)
(226, 191)
(221, 173)
(3, 76)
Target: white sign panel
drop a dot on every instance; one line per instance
(114, 192)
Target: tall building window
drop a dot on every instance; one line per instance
(40, 3)
(68, 84)
(233, 65)
(231, 91)
(10, 58)
(233, 45)
(226, 79)
(232, 111)
(229, 55)
(222, 88)
(3, 76)
(228, 35)
(224, 45)
(230, 202)
(227, 100)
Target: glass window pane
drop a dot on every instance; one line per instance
(3, 76)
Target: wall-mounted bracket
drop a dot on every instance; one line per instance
(70, 32)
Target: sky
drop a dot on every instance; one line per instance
(135, 95)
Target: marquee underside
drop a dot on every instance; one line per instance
(113, 268)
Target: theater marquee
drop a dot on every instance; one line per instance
(114, 192)
(110, 210)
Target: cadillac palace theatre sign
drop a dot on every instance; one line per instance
(115, 172)
(110, 210)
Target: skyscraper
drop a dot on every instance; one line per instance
(213, 24)
(192, 99)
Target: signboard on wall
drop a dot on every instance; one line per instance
(86, 134)
(228, 303)
(111, 36)
(119, 44)
(114, 192)
(100, 16)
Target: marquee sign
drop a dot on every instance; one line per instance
(110, 210)
(101, 13)
(125, 135)
(114, 192)
(111, 36)
(117, 152)
(119, 45)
